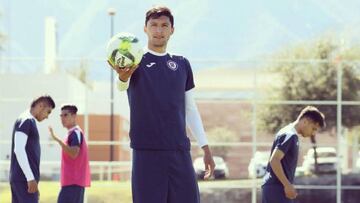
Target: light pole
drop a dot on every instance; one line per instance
(111, 12)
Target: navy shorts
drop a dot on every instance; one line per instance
(71, 194)
(163, 177)
(19, 193)
(274, 194)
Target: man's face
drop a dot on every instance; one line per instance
(44, 112)
(310, 128)
(67, 118)
(158, 31)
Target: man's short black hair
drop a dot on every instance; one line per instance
(157, 11)
(69, 107)
(313, 114)
(45, 99)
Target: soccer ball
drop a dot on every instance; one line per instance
(124, 50)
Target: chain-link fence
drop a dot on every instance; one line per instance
(242, 104)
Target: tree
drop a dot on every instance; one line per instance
(2, 38)
(2, 41)
(313, 76)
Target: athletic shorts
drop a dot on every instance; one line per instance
(274, 194)
(71, 194)
(163, 177)
(19, 193)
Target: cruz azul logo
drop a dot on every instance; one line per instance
(172, 65)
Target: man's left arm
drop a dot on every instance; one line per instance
(193, 121)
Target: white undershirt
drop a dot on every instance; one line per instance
(20, 140)
(193, 119)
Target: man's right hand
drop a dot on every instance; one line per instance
(124, 73)
(32, 186)
(53, 134)
(290, 191)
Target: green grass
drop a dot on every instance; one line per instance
(112, 192)
(99, 192)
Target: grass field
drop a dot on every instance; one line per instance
(111, 192)
(99, 192)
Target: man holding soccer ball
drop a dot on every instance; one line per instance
(161, 106)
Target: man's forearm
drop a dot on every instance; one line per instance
(193, 120)
(123, 85)
(206, 149)
(71, 151)
(279, 171)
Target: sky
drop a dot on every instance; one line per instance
(205, 30)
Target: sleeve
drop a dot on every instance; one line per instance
(193, 120)
(25, 127)
(285, 142)
(190, 78)
(20, 140)
(122, 86)
(74, 138)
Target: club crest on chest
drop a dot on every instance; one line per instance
(172, 65)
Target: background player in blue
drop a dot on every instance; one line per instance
(278, 180)
(161, 105)
(25, 151)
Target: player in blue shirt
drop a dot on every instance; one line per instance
(278, 180)
(25, 151)
(161, 106)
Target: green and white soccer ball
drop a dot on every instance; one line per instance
(124, 50)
